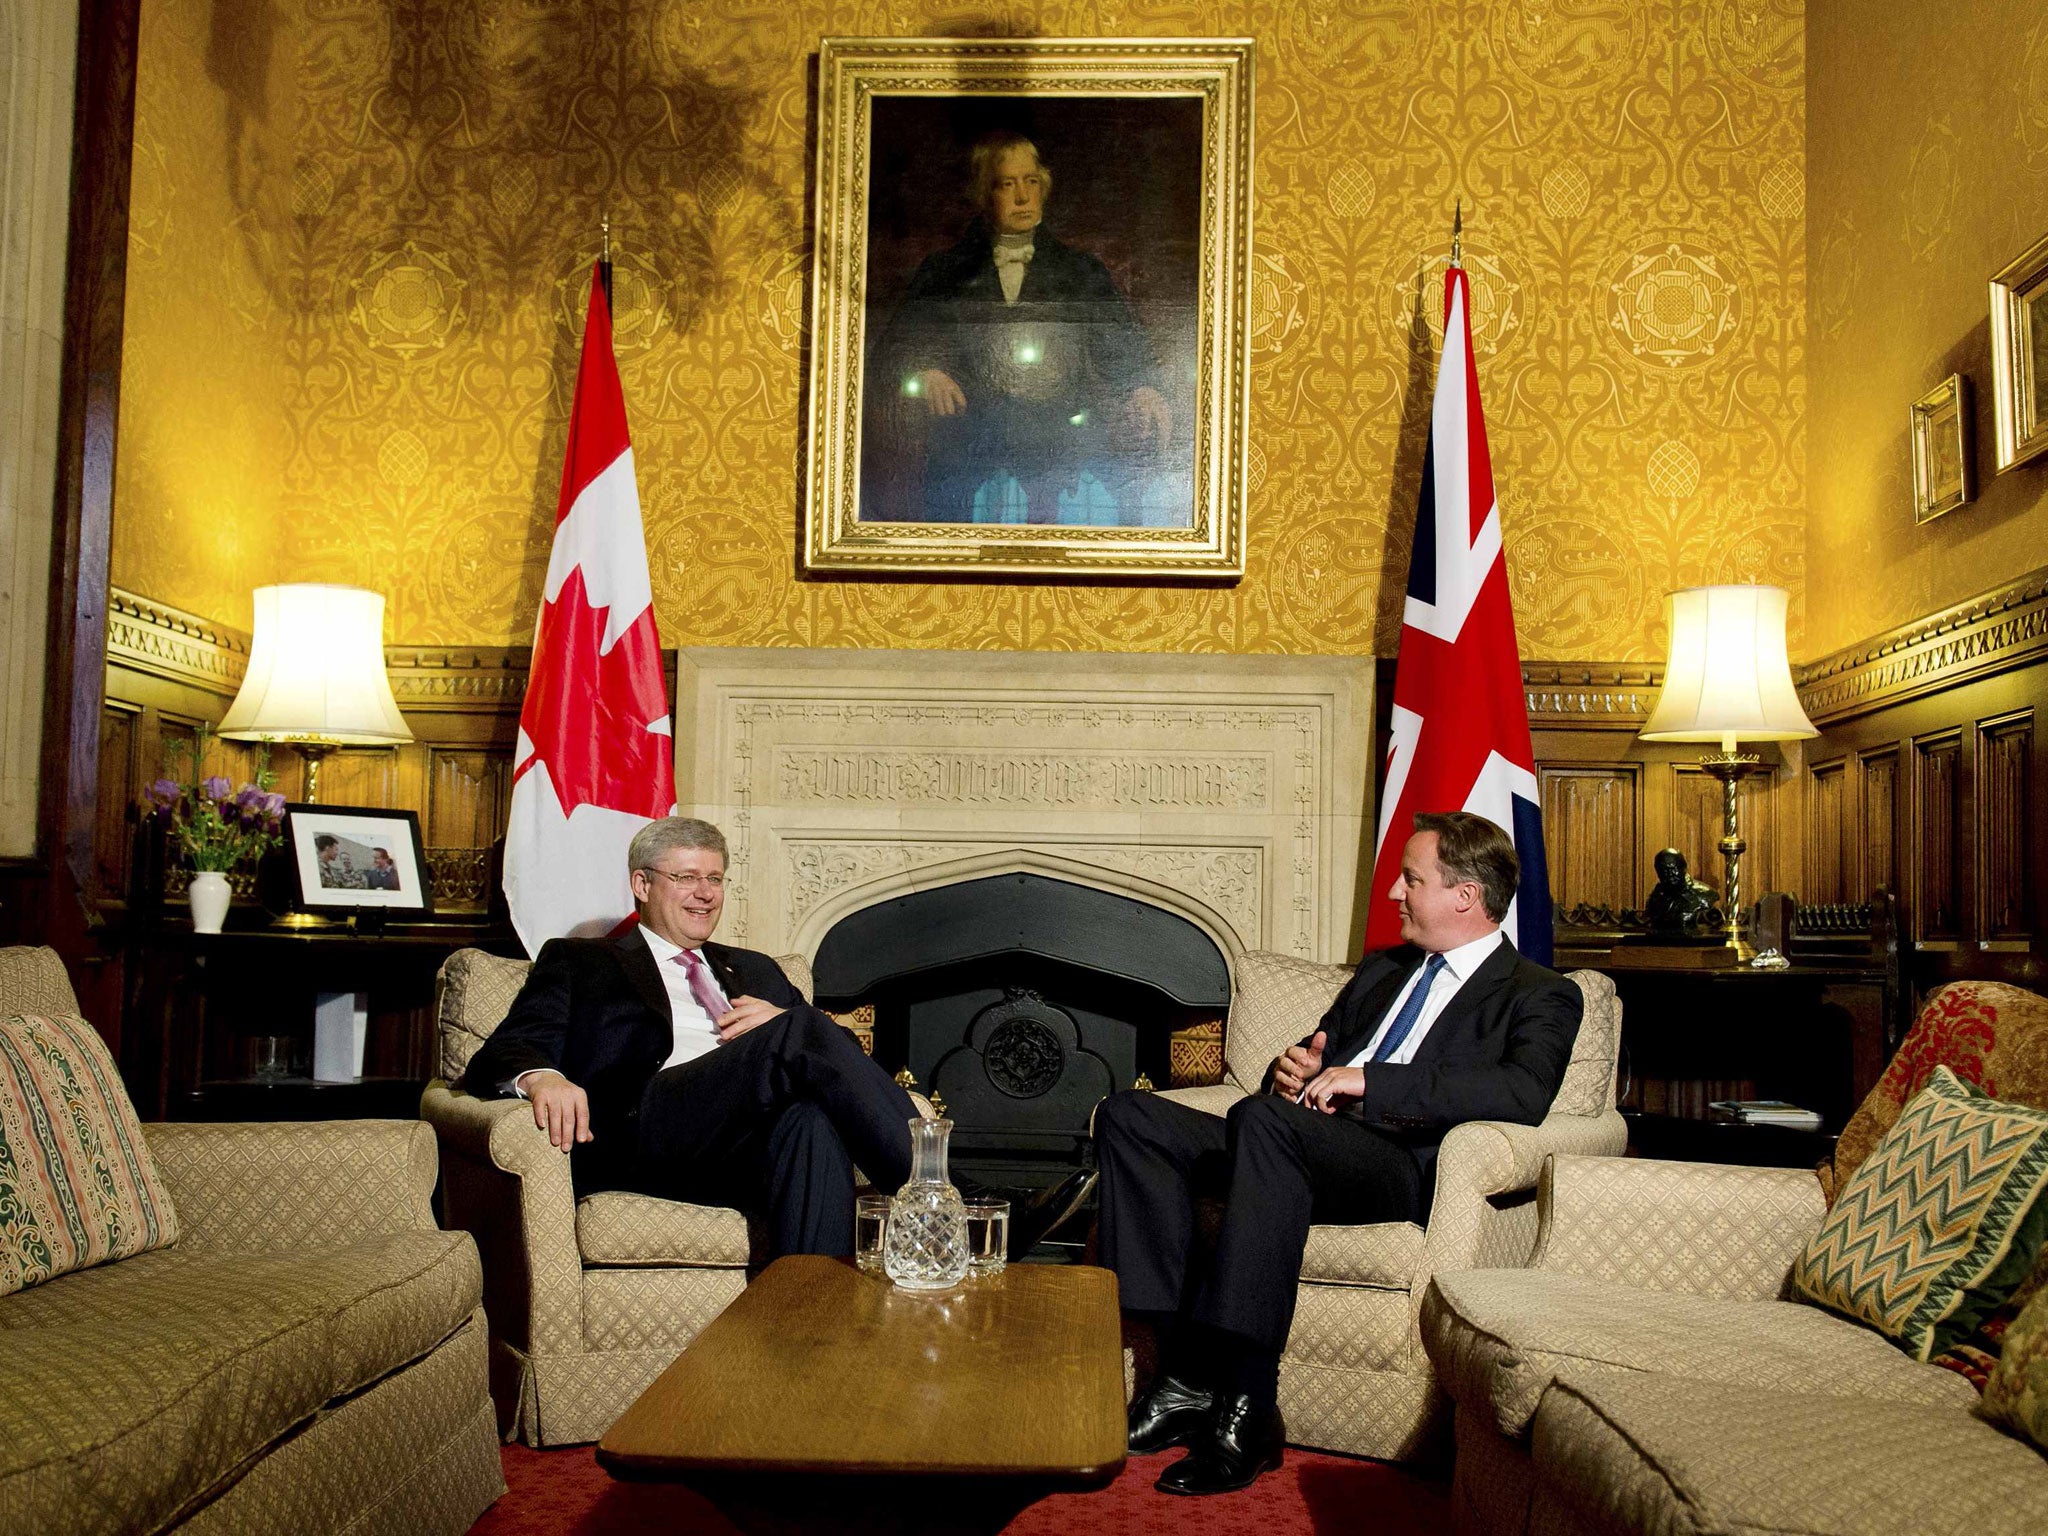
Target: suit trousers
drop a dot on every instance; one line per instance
(775, 1122)
(1279, 1168)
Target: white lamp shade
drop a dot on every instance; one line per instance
(1728, 677)
(316, 670)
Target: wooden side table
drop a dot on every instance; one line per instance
(197, 1000)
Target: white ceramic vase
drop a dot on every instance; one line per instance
(209, 895)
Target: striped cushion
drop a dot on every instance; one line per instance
(77, 1186)
(1940, 1223)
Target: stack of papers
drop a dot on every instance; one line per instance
(1766, 1112)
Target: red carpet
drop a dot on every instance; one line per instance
(566, 1493)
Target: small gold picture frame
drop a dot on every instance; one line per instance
(2019, 357)
(1942, 478)
(1030, 312)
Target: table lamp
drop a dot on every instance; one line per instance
(1728, 679)
(316, 678)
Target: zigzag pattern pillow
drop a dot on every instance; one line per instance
(1941, 1221)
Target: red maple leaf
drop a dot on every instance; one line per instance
(587, 710)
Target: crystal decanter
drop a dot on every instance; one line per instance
(925, 1245)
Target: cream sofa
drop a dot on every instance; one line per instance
(1354, 1377)
(1644, 1375)
(307, 1357)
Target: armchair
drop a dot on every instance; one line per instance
(1354, 1376)
(589, 1300)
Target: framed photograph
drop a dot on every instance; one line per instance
(356, 856)
(2019, 357)
(1031, 308)
(1942, 478)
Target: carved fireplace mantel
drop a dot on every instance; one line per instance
(1234, 790)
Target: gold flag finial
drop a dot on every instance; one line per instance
(1457, 230)
(605, 220)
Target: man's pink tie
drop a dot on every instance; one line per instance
(702, 987)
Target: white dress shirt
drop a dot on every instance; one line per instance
(1459, 964)
(695, 1034)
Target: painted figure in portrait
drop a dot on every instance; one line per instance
(1015, 377)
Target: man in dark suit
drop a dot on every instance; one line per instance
(1021, 362)
(1451, 1025)
(674, 1066)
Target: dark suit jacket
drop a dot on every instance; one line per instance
(597, 1012)
(1498, 1052)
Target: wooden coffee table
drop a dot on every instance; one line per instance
(826, 1399)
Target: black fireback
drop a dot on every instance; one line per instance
(1023, 1001)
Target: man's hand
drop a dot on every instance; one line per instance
(559, 1107)
(1147, 418)
(747, 1013)
(1334, 1084)
(941, 396)
(1296, 1065)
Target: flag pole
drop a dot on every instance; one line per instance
(604, 261)
(1457, 231)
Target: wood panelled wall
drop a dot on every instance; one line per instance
(1925, 779)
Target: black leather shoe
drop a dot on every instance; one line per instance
(1240, 1442)
(1032, 1219)
(1166, 1414)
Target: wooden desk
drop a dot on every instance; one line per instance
(826, 1399)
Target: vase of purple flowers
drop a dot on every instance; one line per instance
(217, 826)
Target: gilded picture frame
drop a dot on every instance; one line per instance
(2019, 357)
(1943, 477)
(1030, 308)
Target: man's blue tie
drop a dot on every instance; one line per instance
(1410, 1010)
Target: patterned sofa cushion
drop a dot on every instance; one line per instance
(77, 1184)
(620, 1228)
(1654, 1453)
(1499, 1337)
(1388, 1255)
(1940, 1223)
(2017, 1393)
(1985, 1032)
(140, 1385)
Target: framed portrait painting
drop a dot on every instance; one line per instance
(2019, 357)
(353, 857)
(1030, 310)
(1942, 478)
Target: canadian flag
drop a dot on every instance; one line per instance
(595, 760)
(1460, 720)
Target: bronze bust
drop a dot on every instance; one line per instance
(1679, 904)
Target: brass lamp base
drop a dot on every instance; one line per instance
(1731, 768)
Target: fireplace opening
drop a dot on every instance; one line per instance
(1022, 1001)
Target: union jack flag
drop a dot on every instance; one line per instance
(1461, 722)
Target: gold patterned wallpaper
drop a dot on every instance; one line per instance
(420, 219)
(1929, 168)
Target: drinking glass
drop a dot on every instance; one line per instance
(870, 1217)
(988, 1236)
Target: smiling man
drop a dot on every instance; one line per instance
(667, 1064)
(1450, 1025)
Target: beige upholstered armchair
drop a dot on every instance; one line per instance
(588, 1300)
(1354, 1377)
